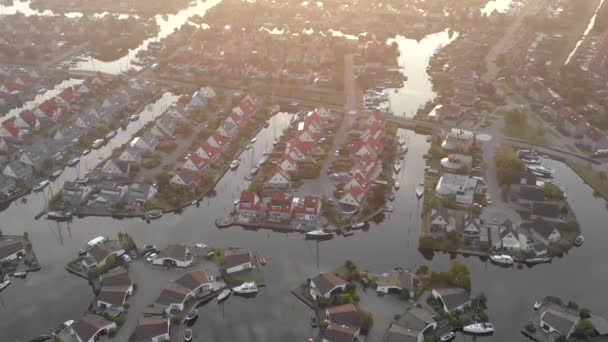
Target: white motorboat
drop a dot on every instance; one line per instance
(391, 197)
(234, 164)
(448, 337)
(419, 190)
(401, 141)
(429, 138)
(503, 259)
(537, 305)
(254, 170)
(397, 166)
(579, 241)
(319, 233)
(245, 288)
(236, 202)
(358, 225)
(191, 315)
(479, 328)
(110, 135)
(266, 124)
(4, 284)
(21, 274)
(253, 140)
(134, 117)
(62, 327)
(223, 295)
(388, 208)
(97, 144)
(154, 214)
(540, 170)
(41, 185)
(397, 185)
(84, 180)
(74, 161)
(85, 152)
(57, 173)
(59, 215)
(263, 160)
(276, 141)
(188, 335)
(249, 146)
(402, 151)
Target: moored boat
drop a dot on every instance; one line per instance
(57, 173)
(537, 305)
(188, 335)
(154, 214)
(319, 233)
(223, 295)
(110, 135)
(253, 140)
(191, 315)
(503, 259)
(579, 241)
(401, 141)
(419, 190)
(358, 225)
(234, 164)
(248, 146)
(85, 152)
(133, 117)
(397, 166)
(74, 161)
(41, 185)
(275, 109)
(276, 141)
(540, 260)
(4, 284)
(266, 124)
(397, 185)
(21, 274)
(245, 288)
(447, 337)
(479, 328)
(59, 215)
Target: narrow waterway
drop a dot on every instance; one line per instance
(47, 95)
(589, 28)
(414, 59)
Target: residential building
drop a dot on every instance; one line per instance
(411, 326)
(113, 296)
(559, 322)
(195, 163)
(186, 178)
(340, 333)
(325, 285)
(17, 170)
(458, 140)
(174, 255)
(452, 299)
(287, 163)
(509, 236)
(131, 155)
(75, 194)
(139, 193)
(395, 282)
(33, 159)
(27, 121)
(344, 324)
(545, 210)
(208, 152)
(279, 178)
(99, 254)
(279, 207)
(110, 194)
(7, 185)
(461, 187)
(146, 143)
(250, 205)
(308, 208)
(114, 168)
(545, 231)
(196, 281)
(173, 298)
(11, 250)
(89, 328)
(471, 227)
(595, 139)
(442, 221)
(236, 261)
(575, 124)
(152, 329)
(10, 131)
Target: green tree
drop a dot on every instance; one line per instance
(508, 166)
(367, 321)
(163, 178)
(584, 329)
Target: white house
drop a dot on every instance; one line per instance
(441, 221)
(395, 282)
(238, 261)
(452, 299)
(354, 197)
(113, 296)
(545, 231)
(326, 284)
(288, 164)
(186, 287)
(509, 236)
(176, 255)
(279, 179)
(89, 328)
(558, 321)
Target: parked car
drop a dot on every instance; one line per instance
(151, 257)
(126, 258)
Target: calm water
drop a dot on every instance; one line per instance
(413, 59)
(47, 95)
(587, 30)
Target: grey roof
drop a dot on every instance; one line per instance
(9, 247)
(115, 295)
(545, 209)
(507, 227)
(193, 279)
(150, 327)
(138, 191)
(176, 252)
(325, 282)
(88, 325)
(410, 325)
(101, 251)
(542, 227)
(559, 320)
(236, 259)
(345, 314)
(173, 293)
(397, 333)
(397, 279)
(71, 186)
(116, 277)
(600, 323)
(526, 179)
(338, 333)
(123, 166)
(531, 193)
(453, 297)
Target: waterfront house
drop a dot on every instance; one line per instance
(113, 296)
(139, 193)
(174, 255)
(195, 163)
(208, 152)
(279, 179)
(411, 326)
(299, 150)
(472, 226)
(11, 250)
(131, 155)
(340, 333)
(68, 133)
(146, 143)
(186, 178)
(442, 221)
(229, 127)
(545, 231)
(595, 139)
(325, 285)
(89, 328)
(75, 194)
(250, 205)
(456, 162)
(17, 170)
(462, 188)
(236, 261)
(7, 185)
(509, 236)
(99, 254)
(66, 97)
(358, 180)
(110, 194)
(115, 168)
(116, 277)
(10, 131)
(197, 101)
(27, 121)
(197, 282)
(526, 195)
(165, 127)
(308, 208)
(395, 282)
(279, 207)
(34, 159)
(458, 140)
(48, 110)
(559, 322)
(173, 298)
(452, 299)
(342, 316)
(355, 197)
(152, 329)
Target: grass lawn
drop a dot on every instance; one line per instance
(591, 177)
(527, 133)
(571, 148)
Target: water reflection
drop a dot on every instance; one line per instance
(414, 59)
(47, 95)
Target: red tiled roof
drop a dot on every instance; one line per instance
(48, 107)
(67, 94)
(280, 203)
(211, 151)
(251, 198)
(220, 139)
(310, 206)
(28, 117)
(9, 126)
(595, 134)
